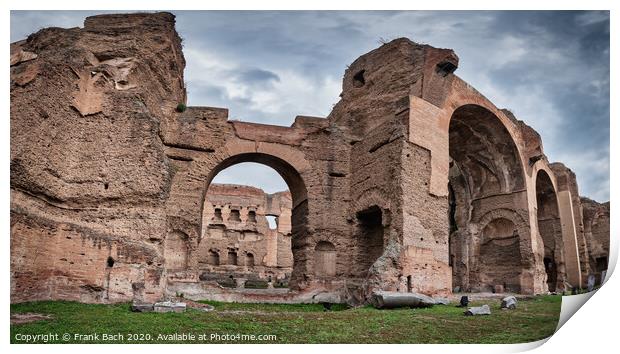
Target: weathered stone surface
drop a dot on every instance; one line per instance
(393, 299)
(86, 189)
(237, 239)
(477, 311)
(18, 55)
(509, 302)
(596, 231)
(168, 306)
(441, 301)
(414, 183)
(329, 298)
(142, 307)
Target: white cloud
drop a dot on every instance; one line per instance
(294, 93)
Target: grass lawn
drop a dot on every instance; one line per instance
(533, 320)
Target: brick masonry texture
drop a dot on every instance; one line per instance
(414, 182)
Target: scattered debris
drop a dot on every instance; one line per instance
(141, 307)
(509, 303)
(199, 306)
(480, 310)
(442, 301)
(21, 318)
(393, 299)
(464, 301)
(169, 306)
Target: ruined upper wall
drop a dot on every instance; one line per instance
(250, 204)
(90, 104)
(234, 218)
(89, 174)
(381, 81)
(596, 227)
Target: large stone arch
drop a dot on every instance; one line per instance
(480, 143)
(485, 174)
(287, 162)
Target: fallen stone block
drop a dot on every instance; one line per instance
(393, 299)
(207, 308)
(141, 307)
(509, 302)
(331, 298)
(480, 310)
(441, 301)
(169, 306)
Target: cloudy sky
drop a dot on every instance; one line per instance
(550, 68)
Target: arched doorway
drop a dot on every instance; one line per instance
(485, 174)
(550, 230)
(236, 218)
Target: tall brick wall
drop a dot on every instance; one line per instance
(397, 189)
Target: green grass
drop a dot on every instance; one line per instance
(533, 320)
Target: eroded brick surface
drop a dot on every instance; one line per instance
(414, 182)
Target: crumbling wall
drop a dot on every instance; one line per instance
(400, 188)
(234, 221)
(596, 229)
(88, 171)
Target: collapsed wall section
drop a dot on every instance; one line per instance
(238, 241)
(88, 171)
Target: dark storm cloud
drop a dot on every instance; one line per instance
(551, 68)
(257, 77)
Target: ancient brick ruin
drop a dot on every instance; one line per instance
(414, 182)
(238, 248)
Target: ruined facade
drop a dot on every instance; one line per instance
(414, 182)
(238, 247)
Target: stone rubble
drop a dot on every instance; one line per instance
(478, 311)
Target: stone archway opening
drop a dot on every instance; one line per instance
(485, 171)
(550, 230)
(236, 219)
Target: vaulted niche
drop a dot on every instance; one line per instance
(484, 171)
(500, 256)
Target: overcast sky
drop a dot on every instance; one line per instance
(550, 68)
